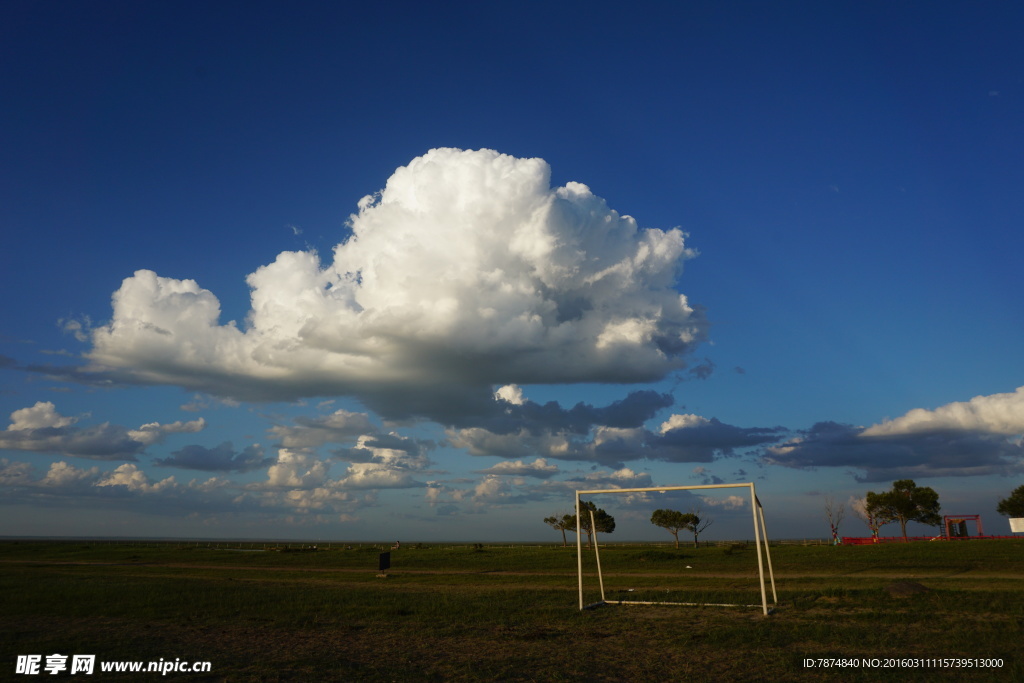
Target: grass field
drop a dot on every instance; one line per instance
(510, 613)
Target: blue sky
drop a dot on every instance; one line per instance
(208, 331)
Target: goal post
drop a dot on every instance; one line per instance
(760, 543)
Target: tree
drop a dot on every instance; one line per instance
(906, 502)
(1014, 505)
(603, 522)
(860, 509)
(673, 520)
(561, 523)
(835, 516)
(698, 524)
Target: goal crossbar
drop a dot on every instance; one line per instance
(760, 544)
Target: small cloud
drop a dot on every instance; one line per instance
(40, 416)
(155, 432)
(341, 426)
(133, 479)
(14, 473)
(727, 503)
(295, 469)
(222, 458)
(538, 468)
(198, 402)
(373, 475)
(201, 402)
(79, 329)
(391, 450)
(57, 352)
(703, 370)
(510, 393)
(705, 477)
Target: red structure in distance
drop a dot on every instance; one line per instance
(955, 526)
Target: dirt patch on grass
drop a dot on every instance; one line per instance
(906, 589)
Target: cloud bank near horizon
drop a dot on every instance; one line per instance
(983, 436)
(467, 271)
(976, 437)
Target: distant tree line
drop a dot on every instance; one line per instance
(675, 521)
(904, 502)
(672, 520)
(603, 522)
(907, 502)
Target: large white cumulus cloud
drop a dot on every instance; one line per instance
(466, 271)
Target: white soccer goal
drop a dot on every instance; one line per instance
(760, 542)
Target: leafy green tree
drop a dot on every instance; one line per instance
(561, 523)
(603, 522)
(674, 520)
(906, 502)
(1014, 505)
